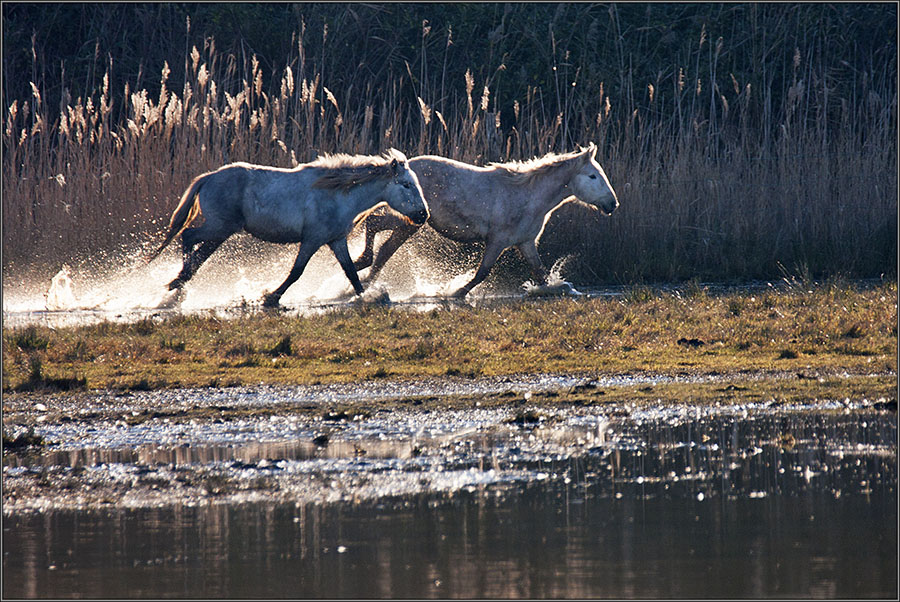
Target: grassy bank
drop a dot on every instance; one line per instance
(804, 330)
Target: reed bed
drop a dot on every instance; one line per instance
(717, 179)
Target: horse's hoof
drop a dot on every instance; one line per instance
(271, 300)
(172, 300)
(374, 296)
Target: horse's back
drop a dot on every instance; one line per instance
(464, 200)
(267, 202)
(433, 165)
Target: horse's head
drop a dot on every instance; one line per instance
(591, 185)
(404, 194)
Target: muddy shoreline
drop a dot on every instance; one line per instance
(381, 439)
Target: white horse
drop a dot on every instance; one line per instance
(312, 204)
(503, 205)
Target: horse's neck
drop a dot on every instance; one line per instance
(551, 187)
(365, 196)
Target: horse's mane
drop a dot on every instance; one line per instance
(343, 172)
(523, 172)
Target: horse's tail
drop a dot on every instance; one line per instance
(186, 212)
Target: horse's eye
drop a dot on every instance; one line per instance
(593, 176)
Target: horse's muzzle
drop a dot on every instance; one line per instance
(607, 206)
(419, 217)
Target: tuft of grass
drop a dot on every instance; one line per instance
(640, 294)
(240, 349)
(694, 290)
(252, 361)
(175, 345)
(282, 347)
(381, 372)
(144, 327)
(38, 381)
(854, 332)
(29, 339)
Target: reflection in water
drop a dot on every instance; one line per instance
(152, 454)
(663, 504)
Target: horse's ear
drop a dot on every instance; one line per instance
(395, 166)
(592, 149)
(393, 152)
(585, 153)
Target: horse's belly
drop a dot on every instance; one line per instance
(273, 231)
(460, 233)
(276, 237)
(456, 226)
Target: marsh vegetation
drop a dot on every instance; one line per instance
(740, 137)
(834, 327)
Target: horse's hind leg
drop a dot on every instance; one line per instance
(374, 224)
(365, 260)
(492, 252)
(530, 253)
(193, 259)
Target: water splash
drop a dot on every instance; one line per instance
(556, 284)
(375, 295)
(235, 275)
(416, 273)
(61, 296)
(125, 287)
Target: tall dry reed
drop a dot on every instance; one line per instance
(714, 180)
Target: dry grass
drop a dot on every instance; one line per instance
(833, 328)
(714, 181)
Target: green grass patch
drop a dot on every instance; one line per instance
(831, 328)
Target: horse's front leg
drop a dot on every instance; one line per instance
(398, 236)
(303, 256)
(530, 254)
(339, 248)
(492, 252)
(365, 259)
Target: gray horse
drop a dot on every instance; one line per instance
(503, 205)
(312, 204)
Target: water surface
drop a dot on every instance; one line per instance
(626, 502)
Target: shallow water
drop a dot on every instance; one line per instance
(232, 284)
(618, 501)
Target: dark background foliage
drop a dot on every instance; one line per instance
(65, 48)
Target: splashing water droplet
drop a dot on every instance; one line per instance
(555, 275)
(60, 295)
(555, 285)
